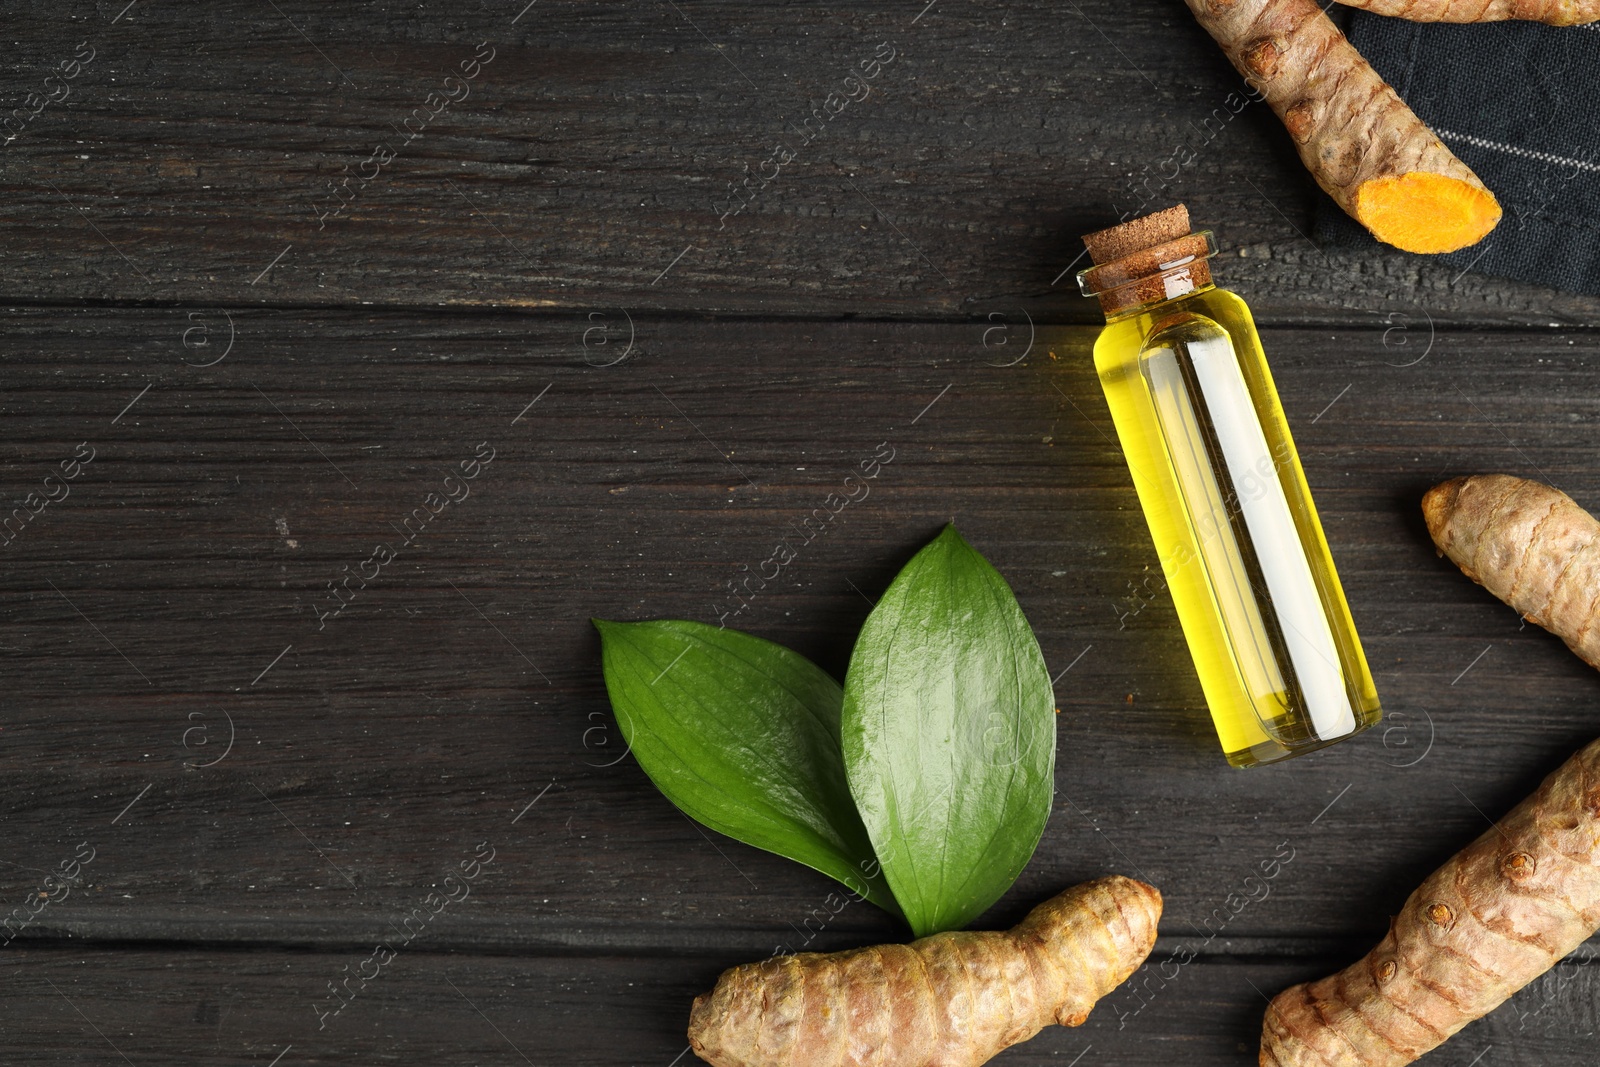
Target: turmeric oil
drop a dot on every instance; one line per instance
(1224, 495)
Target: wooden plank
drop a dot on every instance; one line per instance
(249, 1006)
(591, 164)
(269, 783)
(172, 593)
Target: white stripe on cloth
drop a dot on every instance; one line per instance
(1511, 149)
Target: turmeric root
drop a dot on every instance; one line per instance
(1359, 140)
(1555, 12)
(1529, 545)
(953, 999)
(1492, 919)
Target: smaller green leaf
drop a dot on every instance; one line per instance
(949, 735)
(743, 736)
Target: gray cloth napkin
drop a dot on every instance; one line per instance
(1519, 103)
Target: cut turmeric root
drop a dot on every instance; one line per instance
(1554, 12)
(1420, 211)
(1359, 140)
(1492, 919)
(953, 999)
(1528, 544)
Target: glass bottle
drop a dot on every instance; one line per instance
(1222, 489)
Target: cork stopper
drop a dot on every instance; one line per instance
(1136, 235)
(1146, 260)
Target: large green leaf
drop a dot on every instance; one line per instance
(743, 735)
(949, 735)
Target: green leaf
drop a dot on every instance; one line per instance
(949, 735)
(743, 736)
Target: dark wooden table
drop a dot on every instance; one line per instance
(276, 289)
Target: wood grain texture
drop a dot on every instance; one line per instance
(592, 163)
(545, 272)
(156, 600)
(144, 1005)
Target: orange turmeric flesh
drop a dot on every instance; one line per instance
(1425, 212)
(1359, 140)
(953, 999)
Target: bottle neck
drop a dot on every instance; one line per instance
(1146, 279)
(1173, 288)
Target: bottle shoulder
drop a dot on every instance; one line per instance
(1231, 304)
(1227, 309)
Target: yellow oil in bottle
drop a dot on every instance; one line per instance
(1222, 489)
